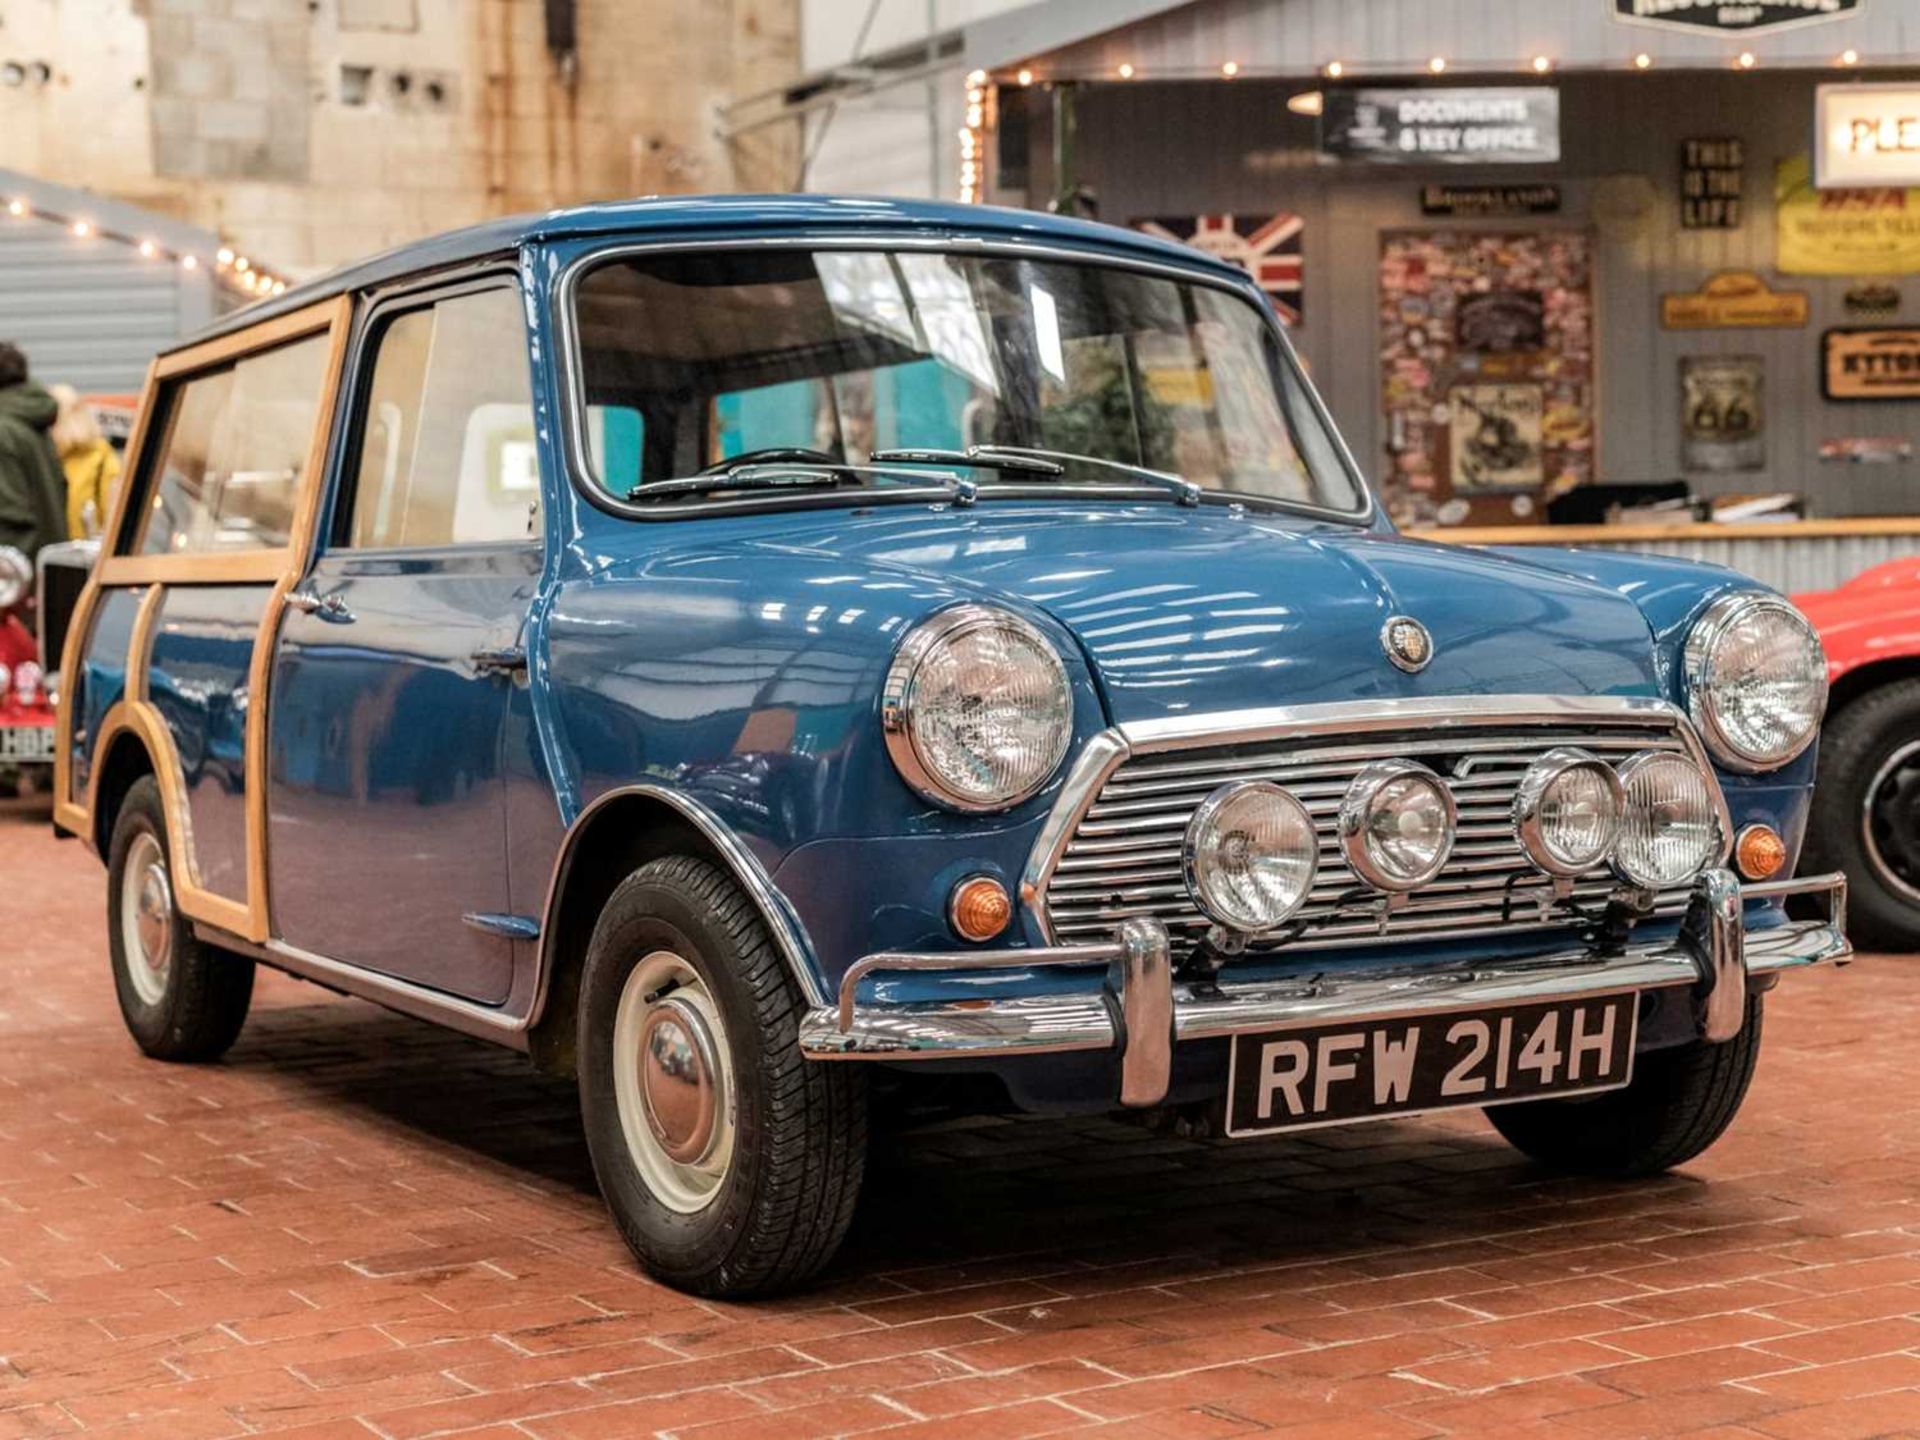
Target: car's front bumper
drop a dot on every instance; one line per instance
(1142, 1011)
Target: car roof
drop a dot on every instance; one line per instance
(709, 217)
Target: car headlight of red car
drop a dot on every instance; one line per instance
(16, 577)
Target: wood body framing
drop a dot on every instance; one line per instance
(279, 568)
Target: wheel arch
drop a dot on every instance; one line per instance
(123, 762)
(1857, 681)
(619, 832)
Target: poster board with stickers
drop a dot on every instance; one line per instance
(1486, 356)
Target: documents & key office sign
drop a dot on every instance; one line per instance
(1733, 17)
(1510, 124)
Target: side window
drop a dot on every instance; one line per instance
(236, 444)
(447, 453)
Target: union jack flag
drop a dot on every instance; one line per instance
(1267, 249)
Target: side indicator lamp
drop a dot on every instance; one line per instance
(1760, 852)
(980, 908)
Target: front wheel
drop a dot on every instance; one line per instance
(730, 1162)
(1680, 1102)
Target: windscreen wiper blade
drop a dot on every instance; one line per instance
(1183, 490)
(986, 457)
(790, 477)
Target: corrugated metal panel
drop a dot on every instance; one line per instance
(92, 311)
(1298, 36)
(1790, 564)
(1188, 148)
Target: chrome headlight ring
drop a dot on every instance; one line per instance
(926, 761)
(1709, 709)
(1362, 806)
(1529, 822)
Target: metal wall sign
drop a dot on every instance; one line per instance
(1711, 174)
(1859, 363)
(1734, 300)
(1474, 201)
(1723, 419)
(1443, 125)
(1869, 231)
(1733, 17)
(1865, 135)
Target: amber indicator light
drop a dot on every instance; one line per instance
(1760, 852)
(980, 908)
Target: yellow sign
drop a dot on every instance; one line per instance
(1734, 300)
(1843, 232)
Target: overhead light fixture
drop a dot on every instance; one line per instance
(1307, 102)
(1335, 70)
(1542, 64)
(1126, 70)
(1025, 77)
(1746, 60)
(82, 228)
(1437, 64)
(148, 249)
(1230, 69)
(1849, 57)
(1643, 61)
(16, 207)
(189, 262)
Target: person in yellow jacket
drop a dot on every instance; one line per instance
(90, 463)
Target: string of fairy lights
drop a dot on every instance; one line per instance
(981, 91)
(225, 265)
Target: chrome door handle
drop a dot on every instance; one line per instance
(507, 660)
(327, 607)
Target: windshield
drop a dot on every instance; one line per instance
(693, 359)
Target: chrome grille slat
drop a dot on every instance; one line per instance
(1124, 857)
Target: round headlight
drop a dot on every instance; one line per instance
(1669, 827)
(1250, 855)
(976, 709)
(1566, 812)
(1397, 824)
(16, 577)
(1756, 680)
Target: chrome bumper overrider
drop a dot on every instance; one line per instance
(1142, 1011)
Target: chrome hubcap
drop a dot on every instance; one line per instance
(146, 918)
(1890, 820)
(673, 1082)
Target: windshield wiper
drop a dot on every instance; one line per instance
(791, 477)
(986, 457)
(1022, 460)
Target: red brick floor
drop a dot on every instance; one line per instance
(359, 1226)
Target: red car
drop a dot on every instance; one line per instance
(1866, 804)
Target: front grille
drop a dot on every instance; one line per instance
(1123, 857)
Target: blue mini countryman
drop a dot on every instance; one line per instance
(729, 648)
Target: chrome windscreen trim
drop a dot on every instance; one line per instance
(1106, 752)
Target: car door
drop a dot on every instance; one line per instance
(395, 663)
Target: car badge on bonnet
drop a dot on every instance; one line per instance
(1406, 642)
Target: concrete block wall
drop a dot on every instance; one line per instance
(313, 133)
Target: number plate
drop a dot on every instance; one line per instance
(1331, 1074)
(27, 743)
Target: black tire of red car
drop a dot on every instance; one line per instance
(1680, 1102)
(191, 1008)
(786, 1197)
(1856, 745)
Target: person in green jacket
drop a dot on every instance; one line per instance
(32, 487)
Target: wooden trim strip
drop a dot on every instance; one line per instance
(308, 320)
(1640, 534)
(237, 567)
(260, 673)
